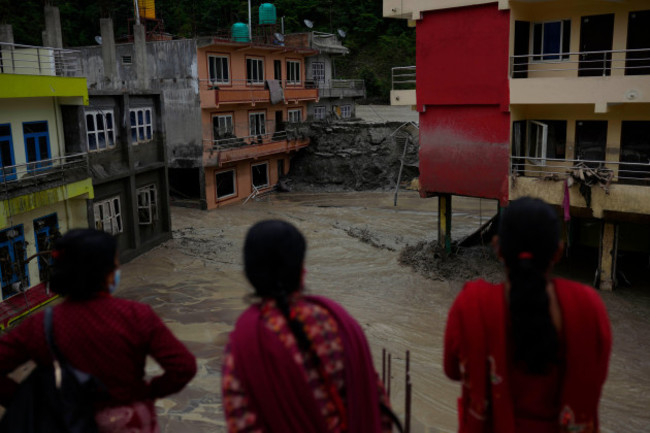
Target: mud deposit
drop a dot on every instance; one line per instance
(195, 282)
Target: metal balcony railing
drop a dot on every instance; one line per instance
(253, 84)
(403, 78)
(250, 140)
(554, 168)
(341, 88)
(45, 168)
(585, 63)
(34, 60)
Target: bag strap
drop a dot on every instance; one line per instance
(49, 334)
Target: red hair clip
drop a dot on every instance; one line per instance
(56, 254)
(524, 255)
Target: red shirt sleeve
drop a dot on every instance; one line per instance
(451, 356)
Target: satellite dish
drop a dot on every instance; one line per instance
(309, 23)
(98, 39)
(279, 37)
(341, 33)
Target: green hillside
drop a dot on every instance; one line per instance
(376, 44)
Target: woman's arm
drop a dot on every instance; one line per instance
(451, 359)
(15, 351)
(240, 417)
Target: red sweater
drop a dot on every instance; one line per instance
(107, 337)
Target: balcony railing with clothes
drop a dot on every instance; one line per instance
(583, 63)
(232, 149)
(70, 167)
(604, 172)
(258, 90)
(403, 78)
(34, 60)
(341, 88)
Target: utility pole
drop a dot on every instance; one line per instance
(250, 29)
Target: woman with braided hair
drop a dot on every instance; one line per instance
(532, 352)
(296, 363)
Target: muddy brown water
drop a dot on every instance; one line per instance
(195, 282)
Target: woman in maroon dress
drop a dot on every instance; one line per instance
(99, 334)
(532, 352)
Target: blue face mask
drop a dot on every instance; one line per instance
(116, 281)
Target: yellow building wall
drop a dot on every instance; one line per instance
(15, 111)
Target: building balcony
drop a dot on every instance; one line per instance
(403, 86)
(225, 150)
(589, 77)
(214, 95)
(614, 187)
(28, 71)
(342, 89)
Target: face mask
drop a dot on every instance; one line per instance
(116, 281)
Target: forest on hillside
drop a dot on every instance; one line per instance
(376, 44)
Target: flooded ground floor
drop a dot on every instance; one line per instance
(196, 283)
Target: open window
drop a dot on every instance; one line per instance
(260, 174)
(147, 205)
(108, 215)
(225, 182)
(536, 142)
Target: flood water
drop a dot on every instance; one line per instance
(196, 283)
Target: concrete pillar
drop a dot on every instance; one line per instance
(140, 55)
(109, 57)
(444, 221)
(6, 33)
(52, 36)
(607, 261)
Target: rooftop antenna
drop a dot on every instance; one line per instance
(98, 39)
(341, 33)
(279, 37)
(308, 23)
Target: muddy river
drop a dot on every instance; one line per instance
(195, 282)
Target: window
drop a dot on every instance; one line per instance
(127, 60)
(100, 130)
(225, 181)
(37, 143)
(544, 139)
(295, 116)
(635, 151)
(222, 126)
(551, 40)
(319, 112)
(293, 72)
(346, 111)
(255, 71)
(218, 69)
(46, 231)
(6, 153)
(108, 215)
(141, 125)
(257, 123)
(147, 204)
(318, 73)
(277, 69)
(13, 264)
(260, 175)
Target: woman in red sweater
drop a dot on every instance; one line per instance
(532, 352)
(99, 334)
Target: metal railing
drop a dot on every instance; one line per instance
(34, 60)
(403, 78)
(341, 88)
(585, 63)
(554, 168)
(249, 140)
(247, 84)
(12, 174)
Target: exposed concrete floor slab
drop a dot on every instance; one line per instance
(387, 113)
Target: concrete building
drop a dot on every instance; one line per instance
(336, 97)
(254, 97)
(124, 133)
(526, 98)
(46, 185)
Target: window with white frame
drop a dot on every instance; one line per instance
(222, 126)
(346, 111)
(260, 174)
(100, 130)
(257, 123)
(218, 69)
(551, 39)
(293, 72)
(536, 142)
(295, 116)
(318, 73)
(319, 112)
(147, 204)
(255, 71)
(108, 215)
(225, 182)
(141, 124)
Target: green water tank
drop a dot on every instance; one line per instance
(239, 32)
(267, 14)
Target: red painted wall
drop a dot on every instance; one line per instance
(462, 96)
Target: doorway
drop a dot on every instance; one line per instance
(46, 231)
(277, 70)
(638, 38)
(591, 141)
(596, 36)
